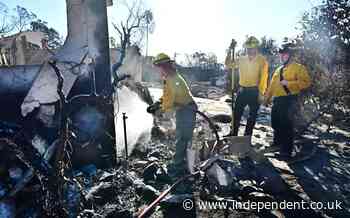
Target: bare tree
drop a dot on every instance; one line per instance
(6, 23)
(132, 29)
(20, 19)
(23, 18)
(54, 39)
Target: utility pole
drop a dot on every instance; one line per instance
(149, 18)
(147, 40)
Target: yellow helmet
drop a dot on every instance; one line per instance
(252, 42)
(162, 58)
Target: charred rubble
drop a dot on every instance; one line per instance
(59, 159)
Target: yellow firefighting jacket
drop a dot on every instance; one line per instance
(175, 93)
(251, 72)
(297, 76)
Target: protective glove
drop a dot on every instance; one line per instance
(153, 108)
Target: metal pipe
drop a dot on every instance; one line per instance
(125, 136)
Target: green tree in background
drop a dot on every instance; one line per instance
(53, 37)
(21, 19)
(325, 50)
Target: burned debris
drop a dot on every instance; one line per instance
(77, 140)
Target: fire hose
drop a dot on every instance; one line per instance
(156, 106)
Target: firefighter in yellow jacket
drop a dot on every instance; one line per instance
(177, 96)
(286, 83)
(253, 76)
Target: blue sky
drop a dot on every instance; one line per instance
(186, 26)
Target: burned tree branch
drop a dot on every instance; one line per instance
(64, 122)
(131, 11)
(127, 29)
(62, 157)
(117, 28)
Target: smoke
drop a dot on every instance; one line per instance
(138, 123)
(132, 64)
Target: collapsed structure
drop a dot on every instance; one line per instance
(30, 91)
(73, 91)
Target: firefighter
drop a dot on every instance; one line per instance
(253, 76)
(176, 96)
(287, 82)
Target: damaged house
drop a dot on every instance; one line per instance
(42, 98)
(25, 48)
(76, 142)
